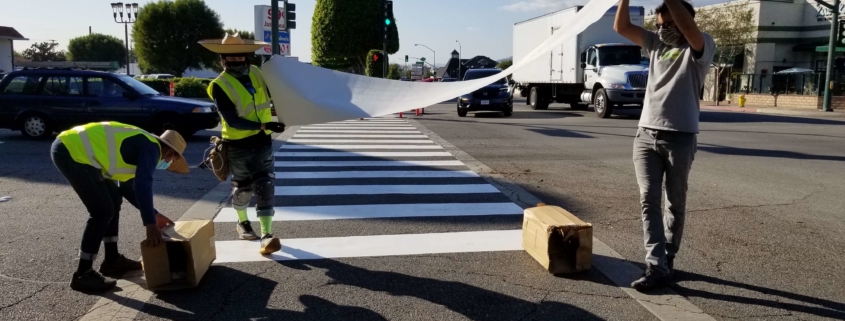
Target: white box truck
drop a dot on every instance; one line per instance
(598, 67)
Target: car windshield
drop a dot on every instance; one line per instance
(142, 88)
(621, 55)
(477, 74)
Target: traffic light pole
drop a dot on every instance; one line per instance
(275, 29)
(831, 51)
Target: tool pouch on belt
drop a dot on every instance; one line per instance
(217, 159)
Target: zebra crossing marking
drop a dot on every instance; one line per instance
(346, 212)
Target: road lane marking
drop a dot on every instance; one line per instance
(351, 147)
(346, 212)
(368, 141)
(368, 163)
(359, 127)
(384, 189)
(352, 131)
(375, 174)
(358, 136)
(362, 154)
(373, 245)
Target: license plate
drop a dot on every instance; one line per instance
(485, 102)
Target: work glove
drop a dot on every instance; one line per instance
(275, 127)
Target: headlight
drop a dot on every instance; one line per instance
(618, 86)
(202, 110)
(464, 99)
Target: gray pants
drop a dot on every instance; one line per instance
(658, 154)
(252, 173)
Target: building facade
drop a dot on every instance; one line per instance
(7, 48)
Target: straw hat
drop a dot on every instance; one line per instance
(175, 141)
(232, 44)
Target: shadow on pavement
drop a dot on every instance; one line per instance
(729, 117)
(735, 151)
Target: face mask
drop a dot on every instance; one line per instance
(670, 36)
(237, 67)
(163, 165)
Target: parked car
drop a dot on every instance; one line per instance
(39, 102)
(448, 79)
(494, 97)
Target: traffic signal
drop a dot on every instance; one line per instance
(388, 16)
(841, 36)
(406, 58)
(290, 15)
(377, 56)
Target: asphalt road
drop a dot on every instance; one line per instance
(763, 239)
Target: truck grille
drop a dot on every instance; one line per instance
(637, 80)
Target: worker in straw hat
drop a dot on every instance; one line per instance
(244, 105)
(105, 162)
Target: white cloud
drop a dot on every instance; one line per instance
(539, 5)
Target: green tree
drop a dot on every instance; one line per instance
(732, 26)
(97, 47)
(167, 32)
(346, 30)
(394, 72)
(44, 51)
(376, 68)
(504, 64)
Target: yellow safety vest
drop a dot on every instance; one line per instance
(98, 145)
(256, 108)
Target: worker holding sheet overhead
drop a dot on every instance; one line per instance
(244, 105)
(665, 142)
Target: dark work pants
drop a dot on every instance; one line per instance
(100, 196)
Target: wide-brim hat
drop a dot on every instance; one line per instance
(175, 141)
(232, 44)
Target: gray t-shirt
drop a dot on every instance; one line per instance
(675, 79)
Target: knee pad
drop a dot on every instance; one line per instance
(241, 195)
(265, 189)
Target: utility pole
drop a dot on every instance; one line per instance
(831, 50)
(274, 7)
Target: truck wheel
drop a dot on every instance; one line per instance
(36, 126)
(537, 100)
(603, 106)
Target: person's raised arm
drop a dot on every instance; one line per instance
(686, 24)
(624, 27)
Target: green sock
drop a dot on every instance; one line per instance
(242, 215)
(266, 224)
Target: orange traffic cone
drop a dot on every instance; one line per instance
(418, 111)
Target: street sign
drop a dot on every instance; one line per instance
(419, 63)
(264, 29)
(422, 59)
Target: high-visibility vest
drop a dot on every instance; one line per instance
(250, 107)
(98, 145)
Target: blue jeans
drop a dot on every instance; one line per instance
(251, 169)
(659, 154)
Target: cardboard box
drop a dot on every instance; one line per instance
(189, 250)
(561, 242)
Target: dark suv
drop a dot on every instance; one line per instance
(39, 102)
(494, 97)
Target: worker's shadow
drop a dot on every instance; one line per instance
(230, 294)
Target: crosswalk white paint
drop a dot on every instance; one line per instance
(373, 246)
(346, 212)
(360, 141)
(384, 189)
(378, 142)
(375, 174)
(368, 163)
(360, 136)
(353, 147)
(362, 154)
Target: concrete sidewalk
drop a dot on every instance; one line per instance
(801, 112)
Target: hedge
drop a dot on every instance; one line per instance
(183, 87)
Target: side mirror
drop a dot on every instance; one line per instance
(583, 65)
(583, 58)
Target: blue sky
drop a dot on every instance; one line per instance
(484, 27)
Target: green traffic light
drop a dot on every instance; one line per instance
(387, 22)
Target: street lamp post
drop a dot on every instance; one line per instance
(460, 51)
(435, 58)
(131, 10)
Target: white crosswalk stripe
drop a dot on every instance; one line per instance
(380, 168)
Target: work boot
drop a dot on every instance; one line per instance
(91, 281)
(245, 231)
(651, 279)
(269, 244)
(115, 268)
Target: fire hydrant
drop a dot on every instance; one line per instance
(741, 100)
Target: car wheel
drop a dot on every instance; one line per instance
(508, 112)
(604, 108)
(36, 126)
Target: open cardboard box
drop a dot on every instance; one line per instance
(189, 250)
(559, 241)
